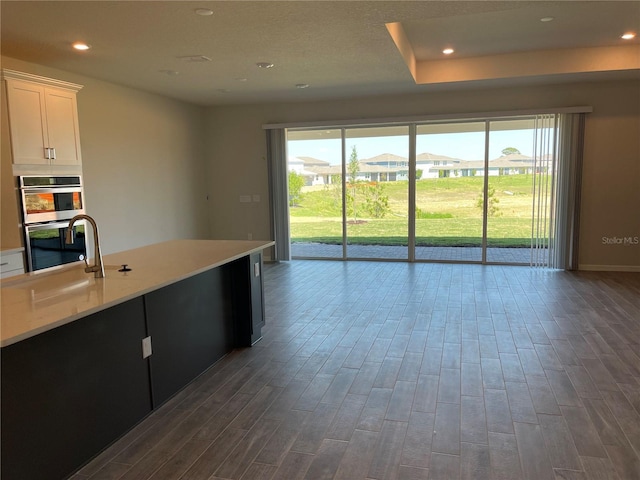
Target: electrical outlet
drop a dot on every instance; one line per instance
(249, 236)
(146, 347)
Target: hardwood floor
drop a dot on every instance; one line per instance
(411, 371)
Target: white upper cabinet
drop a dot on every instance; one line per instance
(62, 126)
(43, 120)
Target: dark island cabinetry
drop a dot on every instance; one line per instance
(247, 277)
(70, 392)
(191, 326)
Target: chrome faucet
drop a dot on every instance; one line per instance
(97, 268)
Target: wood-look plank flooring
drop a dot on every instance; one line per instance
(375, 370)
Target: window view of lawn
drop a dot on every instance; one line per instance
(481, 191)
(448, 213)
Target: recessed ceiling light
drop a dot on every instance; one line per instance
(264, 64)
(547, 19)
(81, 46)
(203, 12)
(448, 51)
(302, 85)
(628, 36)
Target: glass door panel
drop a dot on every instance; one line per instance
(315, 193)
(482, 189)
(377, 192)
(510, 193)
(449, 191)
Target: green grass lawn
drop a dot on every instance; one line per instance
(450, 214)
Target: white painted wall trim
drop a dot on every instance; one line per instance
(610, 268)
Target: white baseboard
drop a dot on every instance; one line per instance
(610, 268)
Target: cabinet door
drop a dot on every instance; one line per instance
(191, 327)
(27, 122)
(62, 126)
(68, 393)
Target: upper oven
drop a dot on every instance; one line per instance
(50, 198)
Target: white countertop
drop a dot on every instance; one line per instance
(36, 302)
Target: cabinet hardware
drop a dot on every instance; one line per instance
(47, 153)
(54, 154)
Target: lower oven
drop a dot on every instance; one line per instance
(46, 247)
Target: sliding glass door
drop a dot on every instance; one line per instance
(480, 191)
(348, 192)
(450, 191)
(513, 171)
(377, 192)
(315, 193)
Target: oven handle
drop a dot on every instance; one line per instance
(38, 190)
(34, 227)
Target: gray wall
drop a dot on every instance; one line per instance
(611, 181)
(150, 161)
(143, 162)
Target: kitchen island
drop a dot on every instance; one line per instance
(84, 359)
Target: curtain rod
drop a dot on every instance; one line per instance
(426, 118)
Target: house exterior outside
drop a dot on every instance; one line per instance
(512, 164)
(388, 167)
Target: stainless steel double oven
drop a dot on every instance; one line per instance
(48, 203)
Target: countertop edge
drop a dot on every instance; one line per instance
(106, 305)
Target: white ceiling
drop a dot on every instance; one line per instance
(339, 48)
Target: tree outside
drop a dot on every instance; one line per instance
(376, 202)
(353, 167)
(510, 151)
(362, 196)
(296, 182)
(493, 210)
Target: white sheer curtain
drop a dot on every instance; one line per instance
(278, 192)
(557, 170)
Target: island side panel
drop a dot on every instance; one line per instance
(248, 292)
(191, 327)
(70, 392)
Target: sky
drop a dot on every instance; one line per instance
(465, 145)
